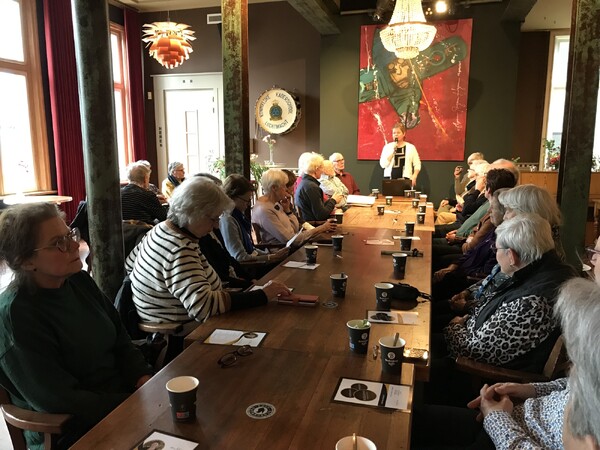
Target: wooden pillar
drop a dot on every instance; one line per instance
(235, 86)
(579, 124)
(100, 156)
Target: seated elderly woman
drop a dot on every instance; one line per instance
(170, 279)
(176, 175)
(332, 185)
(517, 303)
(62, 345)
(137, 202)
(555, 415)
(309, 196)
(273, 214)
(236, 228)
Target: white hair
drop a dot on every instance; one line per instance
(273, 178)
(309, 163)
(529, 198)
(578, 307)
(197, 198)
(527, 234)
(137, 172)
(335, 156)
(328, 168)
(481, 168)
(477, 156)
(173, 166)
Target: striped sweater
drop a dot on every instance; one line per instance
(171, 280)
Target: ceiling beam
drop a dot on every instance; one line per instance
(517, 10)
(317, 14)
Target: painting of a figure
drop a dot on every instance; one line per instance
(428, 93)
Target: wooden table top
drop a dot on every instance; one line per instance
(322, 330)
(19, 199)
(395, 215)
(299, 385)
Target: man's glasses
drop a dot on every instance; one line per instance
(64, 242)
(229, 359)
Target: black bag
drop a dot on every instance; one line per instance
(404, 296)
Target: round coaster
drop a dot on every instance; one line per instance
(330, 304)
(260, 411)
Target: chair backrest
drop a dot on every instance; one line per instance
(16, 435)
(126, 308)
(256, 232)
(558, 361)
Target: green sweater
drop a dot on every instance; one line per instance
(65, 351)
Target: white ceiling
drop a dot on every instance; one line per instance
(545, 14)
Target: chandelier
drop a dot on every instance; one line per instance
(408, 33)
(168, 42)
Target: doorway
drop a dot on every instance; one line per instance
(189, 121)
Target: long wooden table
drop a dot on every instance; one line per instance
(400, 211)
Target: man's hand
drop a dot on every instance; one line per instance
(338, 198)
(440, 274)
(457, 172)
(274, 288)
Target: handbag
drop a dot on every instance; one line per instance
(404, 296)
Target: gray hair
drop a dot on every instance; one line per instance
(475, 157)
(309, 163)
(273, 178)
(529, 198)
(19, 229)
(335, 156)
(528, 235)
(137, 172)
(328, 167)
(578, 307)
(197, 198)
(173, 166)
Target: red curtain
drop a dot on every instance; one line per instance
(64, 101)
(133, 42)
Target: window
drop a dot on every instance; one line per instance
(121, 92)
(556, 91)
(24, 165)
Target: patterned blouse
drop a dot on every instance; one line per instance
(535, 424)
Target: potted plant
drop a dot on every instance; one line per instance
(552, 152)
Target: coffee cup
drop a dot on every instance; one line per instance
(405, 243)
(380, 210)
(362, 443)
(416, 194)
(358, 332)
(420, 218)
(388, 200)
(339, 217)
(411, 193)
(410, 228)
(391, 354)
(422, 208)
(415, 203)
(337, 242)
(182, 396)
(399, 260)
(375, 193)
(407, 193)
(423, 198)
(339, 281)
(311, 253)
(383, 294)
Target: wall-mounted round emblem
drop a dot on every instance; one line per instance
(277, 111)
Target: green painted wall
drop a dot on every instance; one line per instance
(491, 103)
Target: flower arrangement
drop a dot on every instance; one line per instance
(256, 170)
(271, 143)
(552, 154)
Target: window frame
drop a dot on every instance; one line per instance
(31, 69)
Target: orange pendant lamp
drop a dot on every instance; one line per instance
(168, 42)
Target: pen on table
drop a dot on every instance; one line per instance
(339, 256)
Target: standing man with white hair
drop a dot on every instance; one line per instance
(339, 165)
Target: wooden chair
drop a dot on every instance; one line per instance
(556, 366)
(19, 419)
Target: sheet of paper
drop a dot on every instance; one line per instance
(414, 238)
(165, 441)
(235, 337)
(294, 237)
(379, 242)
(360, 200)
(382, 316)
(369, 393)
(409, 318)
(300, 265)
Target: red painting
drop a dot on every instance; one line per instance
(427, 93)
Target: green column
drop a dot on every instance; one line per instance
(235, 86)
(100, 156)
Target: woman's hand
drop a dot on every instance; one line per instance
(286, 204)
(515, 390)
(279, 254)
(142, 381)
(459, 320)
(440, 274)
(459, 301)
(490, 401)
(330, 225)
(274, 288)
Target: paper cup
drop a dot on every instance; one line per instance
(339, 281)
(399, 261)
(391, 355)
(380, 210)
(182, 396)
(388, 200)
(358, 333)
(405, 244)
(383, 295)
(410, 228)
(337, 242)
(311, 253)
(362, 443)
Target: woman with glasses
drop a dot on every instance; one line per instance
(176, 175)
(171, 280)
(62, 346)
(236, 228)
(273, 213)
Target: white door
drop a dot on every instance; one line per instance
(189, 121)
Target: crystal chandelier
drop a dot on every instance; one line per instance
(408, 33)
(168, 42)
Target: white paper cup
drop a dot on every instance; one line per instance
(362, 443)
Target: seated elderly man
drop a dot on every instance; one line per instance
(176, 175)
(331, 185)
(137, 202)
(309, 196)
(560, 414)
(339, 164)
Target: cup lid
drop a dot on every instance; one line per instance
(338, 276)
(388, 341)
(384, 285)
(360, 324)
(182, 384)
